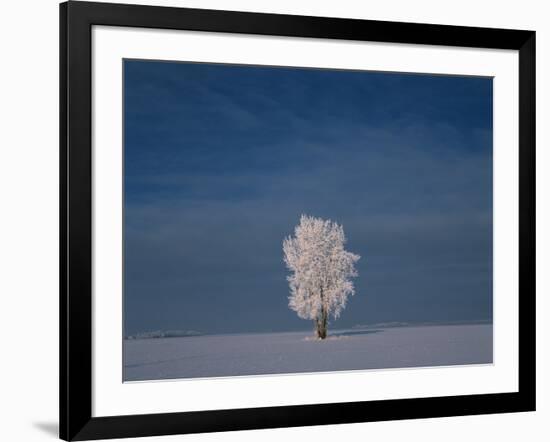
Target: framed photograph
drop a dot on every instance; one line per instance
(272, 220)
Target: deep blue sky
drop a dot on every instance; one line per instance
(220, 161)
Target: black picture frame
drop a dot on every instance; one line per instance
(76, 21)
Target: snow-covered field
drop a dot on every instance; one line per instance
(297, 352)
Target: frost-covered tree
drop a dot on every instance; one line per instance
(320, 282)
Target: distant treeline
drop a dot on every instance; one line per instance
(423, 323)
(164, 334)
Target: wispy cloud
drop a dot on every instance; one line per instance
(220, 167)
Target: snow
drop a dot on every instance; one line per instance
(299, 352)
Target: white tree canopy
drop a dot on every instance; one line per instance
(320, 282)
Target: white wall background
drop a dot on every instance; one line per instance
(29, 218)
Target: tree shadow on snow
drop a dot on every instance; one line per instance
(355, 332)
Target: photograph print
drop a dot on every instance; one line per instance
(284, 220)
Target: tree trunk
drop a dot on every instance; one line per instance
(321, 324)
